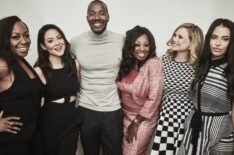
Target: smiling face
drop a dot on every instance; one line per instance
(20, 40)
(142, 47)
(97, 17)
(54, 43)
(180, 40)
(219, 42)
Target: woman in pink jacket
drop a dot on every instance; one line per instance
(140, 81)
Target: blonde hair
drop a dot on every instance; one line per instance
(196, 42)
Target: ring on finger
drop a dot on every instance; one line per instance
(11, 123)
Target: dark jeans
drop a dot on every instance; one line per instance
(102, 129)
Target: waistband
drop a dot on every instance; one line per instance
(211, 114)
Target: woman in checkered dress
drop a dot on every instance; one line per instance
(179, 66)
(209, 127)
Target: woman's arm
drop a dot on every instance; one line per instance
(7, 124)
(133, 128)
(4, 72)
(40, 74)
(10, 124)
(149, 108)
(155, 91)
(78, 68)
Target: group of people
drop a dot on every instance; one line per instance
(115, 92)
(25, 127)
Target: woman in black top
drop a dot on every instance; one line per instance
(20, 89)
(59, 71)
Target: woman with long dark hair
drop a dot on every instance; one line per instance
(20, 89)
(140, 81)
(58, 70)
(209, 127)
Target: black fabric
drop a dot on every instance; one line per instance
(61, 85)
(22, 99)
(59, 126)
(101, 130)
(60, 122)
(22, 148)
(196, 125)
(217, 62)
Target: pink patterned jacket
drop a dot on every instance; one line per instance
(147, 88)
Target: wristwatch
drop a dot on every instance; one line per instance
(136, 121)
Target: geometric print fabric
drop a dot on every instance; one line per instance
(176, 105)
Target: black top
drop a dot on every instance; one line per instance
(61, 85)
(22, 99)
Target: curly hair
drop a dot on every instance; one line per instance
(43, 56)
(128, 60)
(196, 38)
(206, 54)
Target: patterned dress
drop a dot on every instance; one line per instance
(176, 105)
(216, 136)
(141, 94)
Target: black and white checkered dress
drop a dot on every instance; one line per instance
(176, 105)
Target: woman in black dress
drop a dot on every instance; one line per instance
(59, 72)
(20, 89)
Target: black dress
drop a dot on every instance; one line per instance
(22, 99)
(60, 122)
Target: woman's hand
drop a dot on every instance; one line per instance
(10, 124)
(132, 132)
(133, 128)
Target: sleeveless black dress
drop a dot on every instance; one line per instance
(22, 99)
(60, 122)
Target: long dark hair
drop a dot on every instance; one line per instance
(6, 27)
(205, 58)
(128, 60)
(43, 56)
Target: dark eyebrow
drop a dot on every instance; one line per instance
(15, 33)
(221, 36)
(19, 33)
(50, 38)
(225, 36)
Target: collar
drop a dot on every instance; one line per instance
(217, 62)
(98, 36)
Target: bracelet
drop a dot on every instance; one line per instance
(136, 121)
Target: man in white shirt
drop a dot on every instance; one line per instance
(99, 53)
